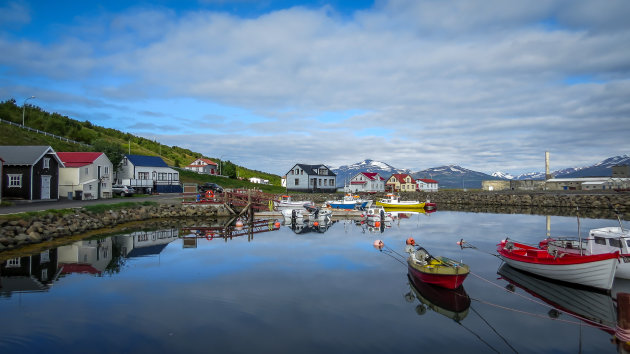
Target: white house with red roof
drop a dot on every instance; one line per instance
(369, 182)
(427, 185)
(203, 165)
(87, 175)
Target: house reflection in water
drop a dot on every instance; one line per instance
(145, 243)
(29, 273)
(89, 256)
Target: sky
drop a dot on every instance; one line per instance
(488, 85)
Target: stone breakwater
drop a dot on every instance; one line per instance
(546, 203)
(46, 227)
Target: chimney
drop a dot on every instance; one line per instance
(547, 173)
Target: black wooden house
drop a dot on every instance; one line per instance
(30, 172)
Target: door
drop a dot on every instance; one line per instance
(45, 187)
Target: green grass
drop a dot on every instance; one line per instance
(34, 214)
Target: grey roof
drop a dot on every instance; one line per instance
(312, 169)
(25, 155)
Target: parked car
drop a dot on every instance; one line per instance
(122, 190)
(208, 186)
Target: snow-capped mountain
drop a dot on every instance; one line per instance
(346, 172)
(453, 176)
(600, 169)
(502, 175)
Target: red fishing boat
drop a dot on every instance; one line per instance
(440, 271)
(597, 270)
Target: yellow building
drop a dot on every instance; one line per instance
(400, 182)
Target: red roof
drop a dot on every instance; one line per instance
(358, 182)
(78, 159)
(428, 180)
(208, 161)
(372, 175)
(401, 177)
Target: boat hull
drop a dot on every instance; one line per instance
(439, 276)
(419, 205)
(597, 271)
(452, 303)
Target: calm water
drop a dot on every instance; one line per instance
(280, 291)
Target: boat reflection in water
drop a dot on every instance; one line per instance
(301, 226)
(594, 307)
(453, 304)
(227, 231)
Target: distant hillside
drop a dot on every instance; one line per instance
(86, 132)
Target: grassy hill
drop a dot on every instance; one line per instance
(111, 140)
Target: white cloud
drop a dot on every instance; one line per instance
(481, 84)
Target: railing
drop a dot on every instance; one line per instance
(43, 132)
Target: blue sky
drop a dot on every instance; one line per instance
(488, 85)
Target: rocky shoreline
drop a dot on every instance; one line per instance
(18, 232)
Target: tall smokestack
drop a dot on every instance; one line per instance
(547, 173)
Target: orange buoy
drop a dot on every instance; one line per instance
(377, 224)
(411, 241)
(315, 224)
(277, 224)
(378, 244)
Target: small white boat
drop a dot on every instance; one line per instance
(285, 202)
(599, 241)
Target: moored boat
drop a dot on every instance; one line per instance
(393, 201)
(599, 241)
(286, 202)
(440, 271)
(597, 271)
(349, 202)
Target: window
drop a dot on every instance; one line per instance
(615, 242)
(106, 170)
(600, 240)
(89, 187)
(87, 170)
(143, 175)
(46, 163)
(125, 162)
(13, 263)
(15, 180)
(325, 182)
(319, 182)
(297, 181)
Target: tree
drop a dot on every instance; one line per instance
(114, 152)
(228, 169)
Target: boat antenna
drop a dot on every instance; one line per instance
(577, 213)
(619, 219)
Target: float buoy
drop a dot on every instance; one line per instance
(209, 194)
(277, 224)
(410, 241)
(377, 224)
(316, 224)
(378, 244)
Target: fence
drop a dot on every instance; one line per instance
(43, 132)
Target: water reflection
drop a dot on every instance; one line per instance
(453, 304)
(226, 229)
(31, 273)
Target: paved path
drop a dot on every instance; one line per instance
(63, 203)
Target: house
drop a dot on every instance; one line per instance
(148, 174)
(85, 175)
(34, 273)
(311, 178)
(30, 172)
(259, 180)
(203, 165)
(369, 182)
(400, 182)
(588, 183)
(427, 185)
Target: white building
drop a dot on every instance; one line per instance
(311, 178)
(369, 182)
(203, 165)
(149, 173)
(427, 185)
(89, 173)
(259, 180)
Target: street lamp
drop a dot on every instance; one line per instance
(24, 108)
(221, 164)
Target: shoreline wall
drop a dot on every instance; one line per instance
(15, 233)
